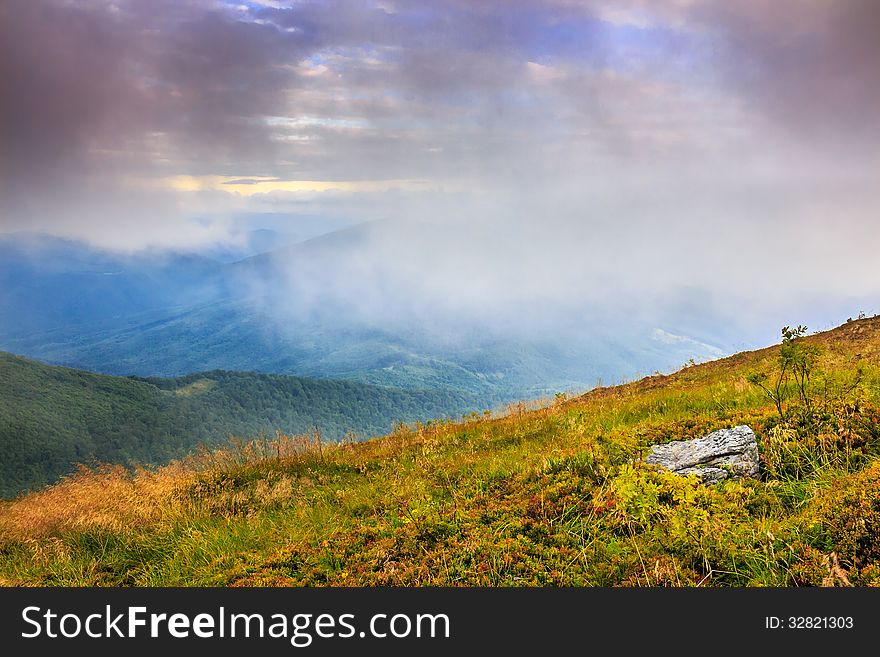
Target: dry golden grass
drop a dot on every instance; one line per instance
(109, 497)
(112, 498)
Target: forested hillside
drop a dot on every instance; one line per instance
(52, 418)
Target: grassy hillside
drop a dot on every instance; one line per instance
(554, 496)
(52, 418)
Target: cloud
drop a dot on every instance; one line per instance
(626, 150)
(810, 65)
(101, 100)
(312, 90)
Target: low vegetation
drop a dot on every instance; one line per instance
(556, 496)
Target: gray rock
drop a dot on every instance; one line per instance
(723, 454)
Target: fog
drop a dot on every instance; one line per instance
(536, 168)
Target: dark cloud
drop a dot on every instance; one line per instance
(65, 93)
(105, 90)
(101, 100)
(185, 87)
(811, 66)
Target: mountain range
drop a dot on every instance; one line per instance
(319, 308)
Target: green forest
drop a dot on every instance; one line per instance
(53, 418)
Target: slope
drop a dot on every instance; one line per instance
(553, 496)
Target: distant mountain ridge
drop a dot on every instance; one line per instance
(315, 308)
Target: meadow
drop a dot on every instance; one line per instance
(552, 494)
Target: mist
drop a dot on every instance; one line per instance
(526, 171)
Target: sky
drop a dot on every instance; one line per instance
(633, 154)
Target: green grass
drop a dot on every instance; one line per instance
(557, 496)
(198, 387)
